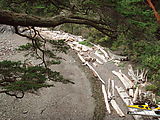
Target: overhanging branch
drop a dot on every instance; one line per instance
(19, 19)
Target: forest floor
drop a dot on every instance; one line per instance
(80, 101)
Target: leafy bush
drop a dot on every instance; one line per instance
(87, 43)
(94, 35)
(120, 43)
(151, 87)
(151, 61)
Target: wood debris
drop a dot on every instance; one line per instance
(106, 98)
(97, 55)
(111, 97)
(116, 57)
(101, 56)
(125, 82)
(123, 94)
(116, 107)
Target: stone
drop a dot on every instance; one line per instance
(25, 112)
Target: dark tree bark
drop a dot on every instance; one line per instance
(19, 19)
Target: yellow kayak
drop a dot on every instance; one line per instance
(145, 107)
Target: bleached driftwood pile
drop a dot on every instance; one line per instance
(135, 83)
(139, 77)
(134, 92)
(111, 96)
(73, 41)
(140, 80)
(95, 56)
(128, 84)
(108, 55)
(99, 58)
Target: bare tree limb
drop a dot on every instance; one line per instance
(19, 19)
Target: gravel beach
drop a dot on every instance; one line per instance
(80, 101)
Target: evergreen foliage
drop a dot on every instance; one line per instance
(17, 77)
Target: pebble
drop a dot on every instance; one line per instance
(25, 112)
(1, 113)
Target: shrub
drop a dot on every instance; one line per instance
(151, 87)
(87, 43)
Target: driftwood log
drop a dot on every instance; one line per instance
(102, 50)
(108, 90)
(127, 79)
(95, 72)
(117, 109)
(123, 80)
(116, 57)
(131, 94)
(102, 57)
(81, 58)
(136, 93)
(123, 94)
(98, 61)
(106, 98)
(113, 88)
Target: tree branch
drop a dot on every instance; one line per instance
(19, 19)
(34, 42)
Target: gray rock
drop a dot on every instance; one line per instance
(25, 112)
